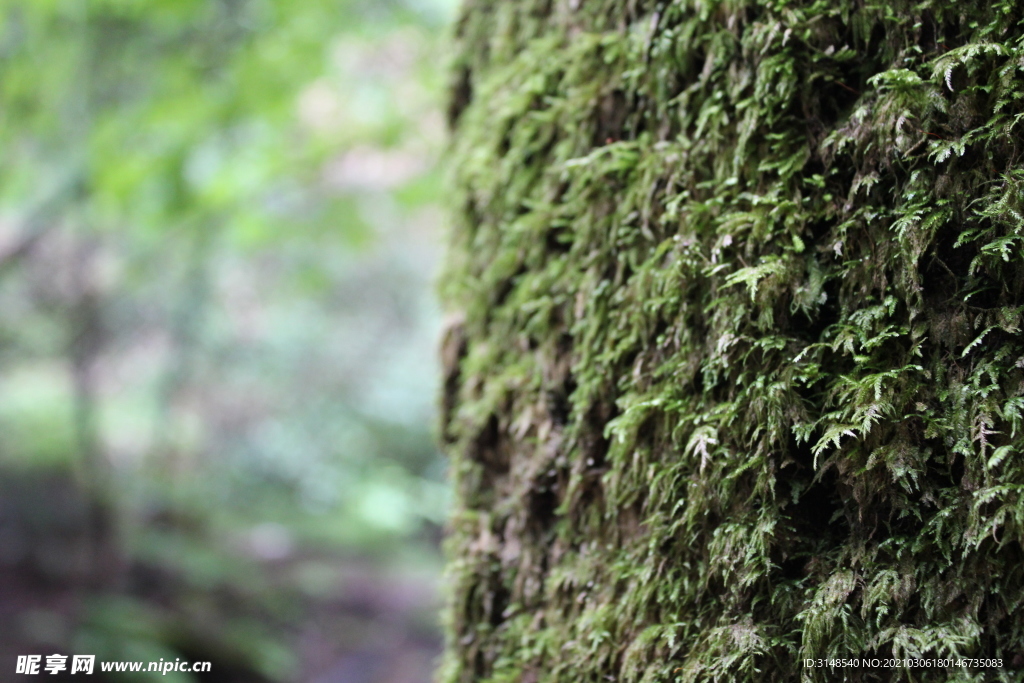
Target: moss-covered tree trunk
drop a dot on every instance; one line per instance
(735, 368)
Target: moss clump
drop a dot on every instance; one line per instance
(737, 373)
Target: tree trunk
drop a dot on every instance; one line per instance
(734, 373)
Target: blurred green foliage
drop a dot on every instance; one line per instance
(217, 234)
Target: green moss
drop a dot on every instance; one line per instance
(737, 373)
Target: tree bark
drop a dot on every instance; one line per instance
(734, 374)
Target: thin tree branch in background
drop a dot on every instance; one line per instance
(186, 331)
(40, 222)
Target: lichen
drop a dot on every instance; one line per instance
(737, 373)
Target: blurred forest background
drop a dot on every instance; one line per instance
(218, 228)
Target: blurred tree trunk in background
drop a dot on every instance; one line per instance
(85, 345)
(734, 374)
